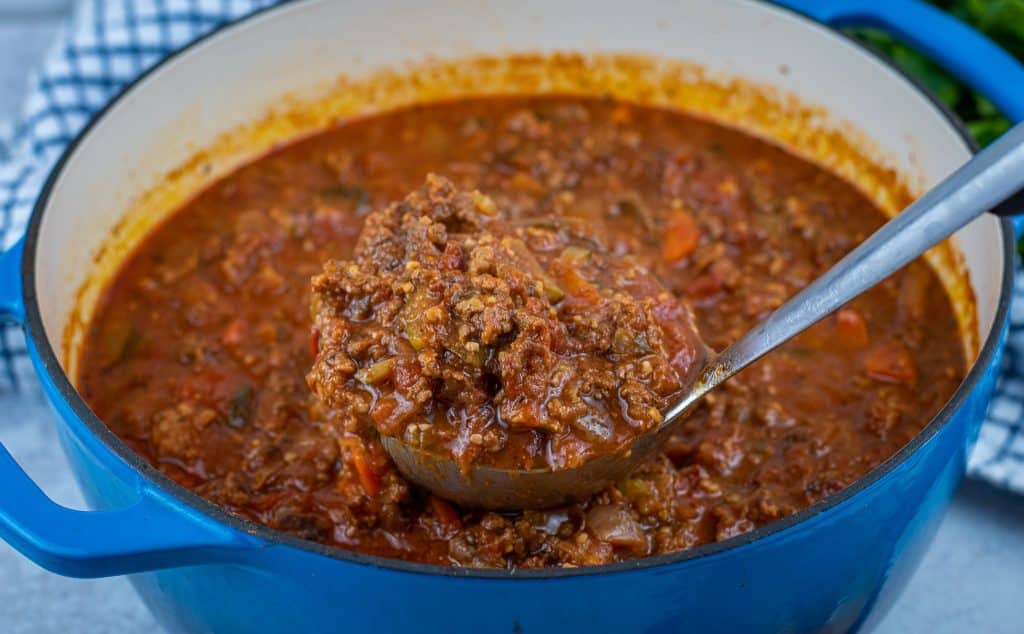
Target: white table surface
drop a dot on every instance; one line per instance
(971, 579)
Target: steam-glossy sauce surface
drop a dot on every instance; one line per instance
(198, 354)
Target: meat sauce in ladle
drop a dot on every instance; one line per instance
(497, 344)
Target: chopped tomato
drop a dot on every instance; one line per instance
(681, 236)
(266, 501)
(891, 363)
(704, 286)
(204, 386)
(234, 334)
(313, 341)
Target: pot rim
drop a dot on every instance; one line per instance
(37, 333)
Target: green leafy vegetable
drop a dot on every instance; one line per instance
(1001, 20)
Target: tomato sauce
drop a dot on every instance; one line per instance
(198, 353)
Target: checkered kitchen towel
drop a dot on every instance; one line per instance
(109, 42)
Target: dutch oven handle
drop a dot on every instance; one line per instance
(963, 52)
(148, 534)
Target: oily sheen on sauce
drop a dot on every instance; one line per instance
(198, 354)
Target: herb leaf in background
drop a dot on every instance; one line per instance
(1001, 20)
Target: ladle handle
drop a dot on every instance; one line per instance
(993, 177)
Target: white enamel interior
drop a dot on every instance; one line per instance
(227, 80)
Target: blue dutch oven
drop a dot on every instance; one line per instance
(834, 566)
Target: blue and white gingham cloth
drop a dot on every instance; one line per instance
(107, 43)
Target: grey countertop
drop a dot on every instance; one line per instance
(971, 578)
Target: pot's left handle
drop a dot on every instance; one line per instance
(151, 533)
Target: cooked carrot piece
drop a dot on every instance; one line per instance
(444, 512)
(356, 456)
(681, 236)
(891, 363)
(851, 328)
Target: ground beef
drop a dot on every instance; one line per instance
(512, 344)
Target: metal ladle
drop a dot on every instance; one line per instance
(991, 181)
